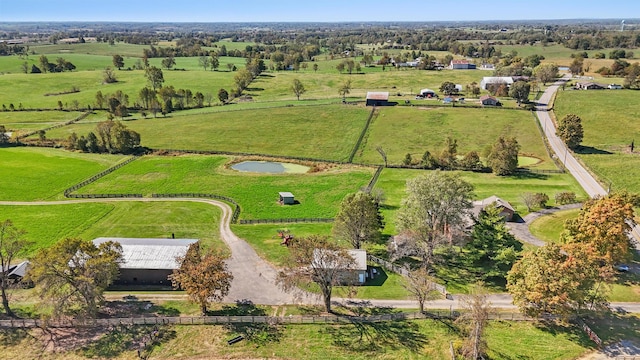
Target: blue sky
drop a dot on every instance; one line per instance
(310, 10)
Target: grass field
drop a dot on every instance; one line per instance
(17, 121)
(424, 339)
(318, 193)
(43, 174)
(609, 128)
(321, 132)
(402, 130)
(45, 225)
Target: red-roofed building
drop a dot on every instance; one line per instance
(461, 65)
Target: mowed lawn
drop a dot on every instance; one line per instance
(47, 224)
(414, 130)
(319, 193)
(549, 227)
(510, 188)
(43, 174)
(610, 122)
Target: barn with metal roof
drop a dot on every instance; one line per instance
(148, 261)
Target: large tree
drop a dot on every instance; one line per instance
(298, 88)
(223, 96)
(204, 61)
(519, 90)
(492, 245)
(556, 280)
(503, 158)
(435, 209)
(154, 77)
(448, 88)
(118, 61)
(345, 89)
(358, 220)
(314, 259)
(204, 277)
(73, 274)
(168, 62)
(604, 224)
(12, 246)
(570, 131)
(546, 72)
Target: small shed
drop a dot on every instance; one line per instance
(461, 64)
(355, 274)
(487, 100)
(286, 198)
(16, 272)
(148, 261)
(377, 98)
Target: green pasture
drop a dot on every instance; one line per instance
(36, 120)
(43, 174)
(327, 80)
(318, 193)
(414, 130)
(610, 124)
(32, 89)
(47, 224)
(321, 132)
(93, 48)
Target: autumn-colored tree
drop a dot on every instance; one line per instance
(204, 277)
(315, 259)
(603, 223)
(73, 274)
(421, 286)
(358, 220)
(12, 245)
(555, 280)
(570, 131)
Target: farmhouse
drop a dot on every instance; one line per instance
(506, 210)
(487, 100)
(377, 98)
(589, 86)
(148, 261)
(487, 81)
(356, 274)
(461, 65)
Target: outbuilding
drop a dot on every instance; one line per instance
(286, 198)
(428, 93)
(148, 261)
(461, 65)
(506, 210)
(489, 81)
(355, 274)
(487, 100)
(377, 98)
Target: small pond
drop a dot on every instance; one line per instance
(269, 167)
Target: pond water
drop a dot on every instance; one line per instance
(563, 68)
(269, 167)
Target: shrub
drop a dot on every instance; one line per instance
(566, 197)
